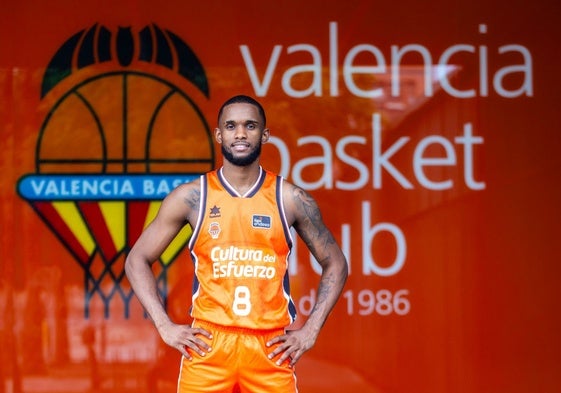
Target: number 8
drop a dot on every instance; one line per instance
(241, 305)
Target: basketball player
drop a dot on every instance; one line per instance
(241, 216)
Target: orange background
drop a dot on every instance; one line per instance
(482, 265)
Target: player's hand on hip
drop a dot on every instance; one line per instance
(292, 345)
(184, 337)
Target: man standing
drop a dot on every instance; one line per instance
(241, 216)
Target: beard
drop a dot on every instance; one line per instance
(242, 161)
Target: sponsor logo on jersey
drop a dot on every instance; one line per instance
(243, 262)
(260, 221)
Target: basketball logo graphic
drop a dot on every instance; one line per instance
(118, 138)
(214, 230)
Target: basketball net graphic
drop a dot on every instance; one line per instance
(113, 146)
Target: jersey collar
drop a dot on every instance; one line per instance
(252, 190)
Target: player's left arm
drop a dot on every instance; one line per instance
(304, 214)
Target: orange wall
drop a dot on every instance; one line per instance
(436, 167)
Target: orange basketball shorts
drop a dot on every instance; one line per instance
(238, 362)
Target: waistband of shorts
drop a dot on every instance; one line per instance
(236, 329)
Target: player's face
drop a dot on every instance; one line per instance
(241, 133)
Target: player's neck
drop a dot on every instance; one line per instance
(242, 178)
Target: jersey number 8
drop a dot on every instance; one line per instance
(242, 304)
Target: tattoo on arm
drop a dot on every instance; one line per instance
(193, 199)
(319, 240)
(313, 231)
(326, 286)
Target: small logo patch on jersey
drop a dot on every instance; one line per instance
(214, 230)
(260, 221)
(214, 212)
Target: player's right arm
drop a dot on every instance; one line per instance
(178, 209)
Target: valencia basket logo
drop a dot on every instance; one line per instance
(120, 135)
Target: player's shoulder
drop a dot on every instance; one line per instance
(187, 187)
(291, 189)
(297, 202)
(182, 203)
(186, 192)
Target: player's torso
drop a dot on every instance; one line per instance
(240, 248)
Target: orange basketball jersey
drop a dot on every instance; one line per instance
(240, 247)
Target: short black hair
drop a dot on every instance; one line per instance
(243, 99)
